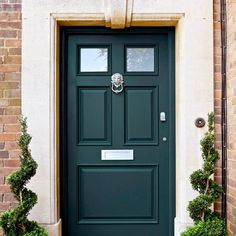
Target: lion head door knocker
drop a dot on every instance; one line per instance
(117, 83)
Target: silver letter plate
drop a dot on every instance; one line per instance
(115, 155)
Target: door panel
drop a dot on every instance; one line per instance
(117, 197)
(94, 102)
(128, 182)
(141, 102)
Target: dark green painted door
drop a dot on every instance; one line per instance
(103, 193)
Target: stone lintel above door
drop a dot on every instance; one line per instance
(103, 19)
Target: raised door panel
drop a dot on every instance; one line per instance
(117, 194)
(141, 116)
(94, 116)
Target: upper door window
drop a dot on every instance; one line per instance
(140, 59)
(97, 59)
(93, 59)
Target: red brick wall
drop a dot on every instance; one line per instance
(10, 94)
(217, 90)
(231, 92)
(231, 106)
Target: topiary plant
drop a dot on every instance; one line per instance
(206, 222)
(14, 222)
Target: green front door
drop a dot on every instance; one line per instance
(117, 139)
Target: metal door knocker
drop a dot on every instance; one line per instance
(117, 83)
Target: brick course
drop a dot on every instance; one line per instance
(231, 92)
(231, 106)
(217, 91)
(10, 94)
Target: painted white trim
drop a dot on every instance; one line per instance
(194, 83)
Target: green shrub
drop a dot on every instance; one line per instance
(36, 230)
(211, 227)
(206, 222)
(14, 222)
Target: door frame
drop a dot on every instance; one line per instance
(64, 33)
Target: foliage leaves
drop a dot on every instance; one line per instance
(14, 221)
(213, 226)
(206, 222)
